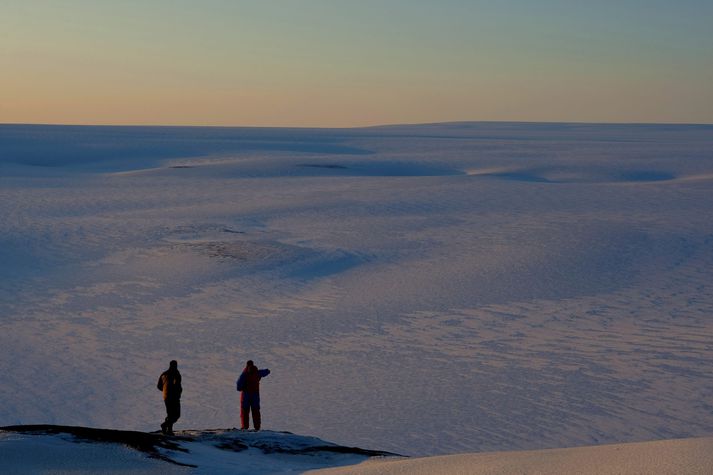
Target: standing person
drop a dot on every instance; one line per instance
(249, 386)
(170, 383)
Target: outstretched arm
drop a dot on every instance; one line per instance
(263, 372)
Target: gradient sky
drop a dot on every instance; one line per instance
(343, 63)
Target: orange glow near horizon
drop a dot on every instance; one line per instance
(336, 64)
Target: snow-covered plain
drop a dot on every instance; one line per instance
(423, 290)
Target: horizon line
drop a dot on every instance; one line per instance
(380, 125)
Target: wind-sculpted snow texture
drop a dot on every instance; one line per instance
(417, 289)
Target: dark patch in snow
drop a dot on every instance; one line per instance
(577, 175)
(386, 168)
(158, 446)
(123, 148)
(647, 175)
(271, 442)
(147, 443)
(233, 446)
(271, 448)
(330, 166)
(523, 176)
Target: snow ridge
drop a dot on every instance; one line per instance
(205, 451)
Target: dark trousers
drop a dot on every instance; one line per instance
(249, 402)
(173, 412)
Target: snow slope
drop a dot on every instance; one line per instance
(57, 449)
(418, 289)
(666, 457)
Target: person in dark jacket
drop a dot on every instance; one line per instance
(170, 383)
(249, 386)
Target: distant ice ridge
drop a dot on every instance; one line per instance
(419, 289)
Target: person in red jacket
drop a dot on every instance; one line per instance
(249, 386)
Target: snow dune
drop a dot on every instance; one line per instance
(424, 290)
(669, 457)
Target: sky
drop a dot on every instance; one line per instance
(338, 63)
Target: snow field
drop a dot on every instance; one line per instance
(418, 289)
